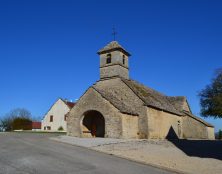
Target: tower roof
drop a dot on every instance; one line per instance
(113, 46)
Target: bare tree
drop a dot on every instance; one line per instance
(7, 121)
(20, 112)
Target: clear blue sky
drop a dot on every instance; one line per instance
(48, 48)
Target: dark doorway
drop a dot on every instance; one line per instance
(95, 123)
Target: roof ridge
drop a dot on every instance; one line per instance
(68, 103)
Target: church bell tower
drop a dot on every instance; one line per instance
(114, 61)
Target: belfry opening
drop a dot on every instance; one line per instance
(93, 124)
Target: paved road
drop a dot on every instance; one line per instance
(32, 153)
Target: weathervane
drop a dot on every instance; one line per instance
(114, 33)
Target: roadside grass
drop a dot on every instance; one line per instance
(40, 132)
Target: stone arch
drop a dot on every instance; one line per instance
(93, 124)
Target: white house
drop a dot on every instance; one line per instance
(55, 118)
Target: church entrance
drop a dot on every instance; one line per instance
(93, 124)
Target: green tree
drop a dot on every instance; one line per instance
(220, 134)
(20, 123)
(7, 120)
(211, 97)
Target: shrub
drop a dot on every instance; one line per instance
(22, 124)
(60, 128)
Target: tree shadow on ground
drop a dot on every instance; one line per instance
(197, 148)
(200, 148)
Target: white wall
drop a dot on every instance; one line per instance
(58, 110)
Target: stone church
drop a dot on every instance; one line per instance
(118, 107)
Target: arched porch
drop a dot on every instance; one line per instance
(92, 124)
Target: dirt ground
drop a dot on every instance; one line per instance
(186, 156)
(170, 155)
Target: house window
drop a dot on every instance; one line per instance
(108, 58)
(51, 118)
(48, 128)
(123, 59)
(65, 117)
(45, 128)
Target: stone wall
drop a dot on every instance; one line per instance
(116, 58)
(120, 89)
(210, 132)
(193, 128)
(145, 122)
(117, 124)
(92, 100)
(162, 124)
(114, 70)
(129, 126)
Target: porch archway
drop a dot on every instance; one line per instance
(93, 124)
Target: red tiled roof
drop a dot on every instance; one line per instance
(70, 104)
(36, 125)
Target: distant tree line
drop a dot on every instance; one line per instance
(16, 119)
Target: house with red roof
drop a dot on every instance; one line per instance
(56, 119)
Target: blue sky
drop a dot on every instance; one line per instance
(48, 48)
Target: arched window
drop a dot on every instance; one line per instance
(123, 59)
(108, 58)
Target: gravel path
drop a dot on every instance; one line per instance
(195, 156)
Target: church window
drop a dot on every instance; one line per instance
(51, 118)
(123, 59)
(108, 58)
